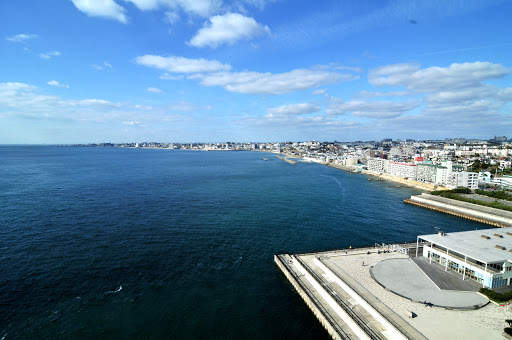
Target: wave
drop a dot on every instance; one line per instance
(115, 291)
(337, 181)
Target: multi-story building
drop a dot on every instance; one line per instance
(406, 170)
(479, 255)
(503, 182)
(377, 164)
(463, 179)
(429, 173)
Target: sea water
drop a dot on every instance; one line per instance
(145, 243)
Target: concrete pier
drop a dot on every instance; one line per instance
(474, 212)
(287, 160)
(345, 308)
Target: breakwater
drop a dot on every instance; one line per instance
(287, 160)
(470, 211)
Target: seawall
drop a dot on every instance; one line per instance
(286, 160)
(310, 300)
(470, 211)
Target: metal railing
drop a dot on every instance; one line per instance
(332, 321)
(380, 310)
(359, 319)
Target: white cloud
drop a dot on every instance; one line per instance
(154, 90)
(13, 86)
(371, 94)
(320, 91)
(172, 17)
(456, 90)
(57, 84)
(48, 55)
(25, 97)
(168, 76)
(292, 110)
(132, 123)
(102, 8)
(227, 29)
(20, 37)
(433, 79)
(268, 83)
(181, 64)
(92, 102)
(102, 67)
(377, 109)
(202, 8)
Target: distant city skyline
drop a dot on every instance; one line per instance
(82, 71)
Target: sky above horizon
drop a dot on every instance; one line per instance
(88, 71)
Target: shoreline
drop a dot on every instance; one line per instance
(427, 187)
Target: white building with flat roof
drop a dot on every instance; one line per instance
(406, 170)
(377, 164)
(462, 179)
(484, 256)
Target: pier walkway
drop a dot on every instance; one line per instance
(345, 308)
(415, 285)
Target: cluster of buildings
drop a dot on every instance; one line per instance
(444, 174)
(451, 163)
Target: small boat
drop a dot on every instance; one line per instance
(265, 159)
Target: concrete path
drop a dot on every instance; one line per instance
(405, 278)
(447, 280)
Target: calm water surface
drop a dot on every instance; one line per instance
(132, 243)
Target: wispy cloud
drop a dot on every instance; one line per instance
(49, 55)
(273, 83)
(202, 8)
(21, 37)
(57, 84)
(103, 67)
(181, 64)
(374, 109)
(154, 90)
(292, 110)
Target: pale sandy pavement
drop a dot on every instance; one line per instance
(435, 323)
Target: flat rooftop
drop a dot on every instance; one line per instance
(477, 244)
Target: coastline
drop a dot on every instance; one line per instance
(426, 187)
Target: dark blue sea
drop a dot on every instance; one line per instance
(172, 244)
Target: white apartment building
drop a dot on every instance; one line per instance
(429, 173)
(503, 182)
(377, 164)
(462, 179)
(406, 170)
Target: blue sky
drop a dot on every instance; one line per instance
(80, 71)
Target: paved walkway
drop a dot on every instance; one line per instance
(405, 278)
(447, 280)
(486, 198)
